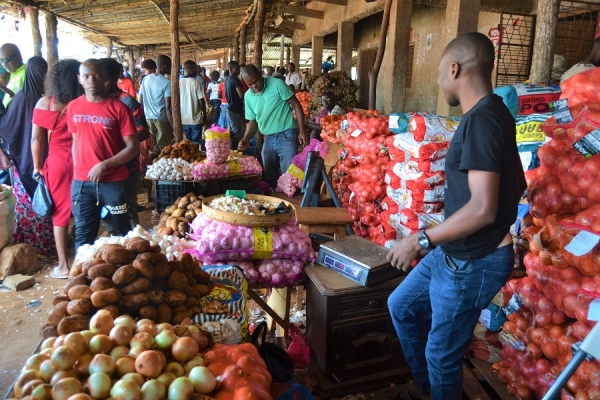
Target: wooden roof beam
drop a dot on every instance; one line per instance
(283, 23)
(280, 31)
(183, 32)
(305, 12)
(336, 2)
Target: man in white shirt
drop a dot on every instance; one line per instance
(191, 95)
(155, 97)
(293, 78)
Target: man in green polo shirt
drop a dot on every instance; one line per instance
(10, 58)
(269, 104)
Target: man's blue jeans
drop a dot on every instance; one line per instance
(435, 310)
(277, 153)
(193, 133)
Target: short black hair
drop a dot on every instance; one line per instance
(233, 64)
(250, 70)
(163, 60)
(473, 50)
(61, 81)
(226, 72)
(112, 68)
(271, 68)
(292, 64)
(214, 75)
(149, 64)
(331, 95)
(282, 70)
(189, 64)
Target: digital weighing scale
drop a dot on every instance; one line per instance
(357, 259)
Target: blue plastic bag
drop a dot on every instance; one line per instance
(302, 393)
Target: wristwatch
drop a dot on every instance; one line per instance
(424, 241)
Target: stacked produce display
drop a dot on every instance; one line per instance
(415, 175)
(331, 126)
(238, 232)
(175, 162)
(124, 359)
(563, 264)
(304, 99)
(336, 82)
(358, 177)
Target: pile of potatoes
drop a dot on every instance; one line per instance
(186, 150)
(176, 218)
(135, 279)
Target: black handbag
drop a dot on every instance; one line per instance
(42, 201)
(279, 363)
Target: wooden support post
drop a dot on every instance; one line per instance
(236, 48)
(243, 44)
(259, 24)
(461, 16)
(545, 37)
(282, 50)
(51, 39)
(345, 46)
(175, 105)
(395, 62)
(288, 55)
(109, 45)
(317, 54)
(374, 72)
(131, 63)
(34, 14)
(296, 55)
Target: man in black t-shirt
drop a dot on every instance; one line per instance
(470, 255)
(234, 94)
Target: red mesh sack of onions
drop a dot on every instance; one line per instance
(279, 273)
(218, 144)
(218, 241)
(236, 167)
(418, 149)
(546, 311)
(579, 175)
(563, 286)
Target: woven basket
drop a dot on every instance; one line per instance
(248, 220)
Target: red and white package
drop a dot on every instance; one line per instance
(430, 165)
(433, 128)
(414, 220)
(405, 199)
(405, 231)
(410, 171)
(423, 150)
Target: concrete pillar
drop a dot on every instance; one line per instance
(395, 62)
(317, 54)
(461, 16)
(344, 46)
(296, 55)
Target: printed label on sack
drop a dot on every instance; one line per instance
(582, 243)
(530, 131)
(509, 339)
(589, 145)
(263, 243)
(295, 171)
(535, 99)
(234, 167)
(513, 305)
(485, 318)
(211, 135)
(560, 111)
(393, 122)
(356, 133)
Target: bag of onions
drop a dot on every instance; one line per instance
(292, 179)
(218, 144)
(217, 241)
(235, 167)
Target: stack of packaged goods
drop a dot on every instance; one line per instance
(415, 174)
(359, 176)
(563, 265)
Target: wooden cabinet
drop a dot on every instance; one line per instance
(350, 333)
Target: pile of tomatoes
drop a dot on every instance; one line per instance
(304, 99)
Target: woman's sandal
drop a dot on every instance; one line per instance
(55, 273)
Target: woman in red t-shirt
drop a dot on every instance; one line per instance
(50, 128)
